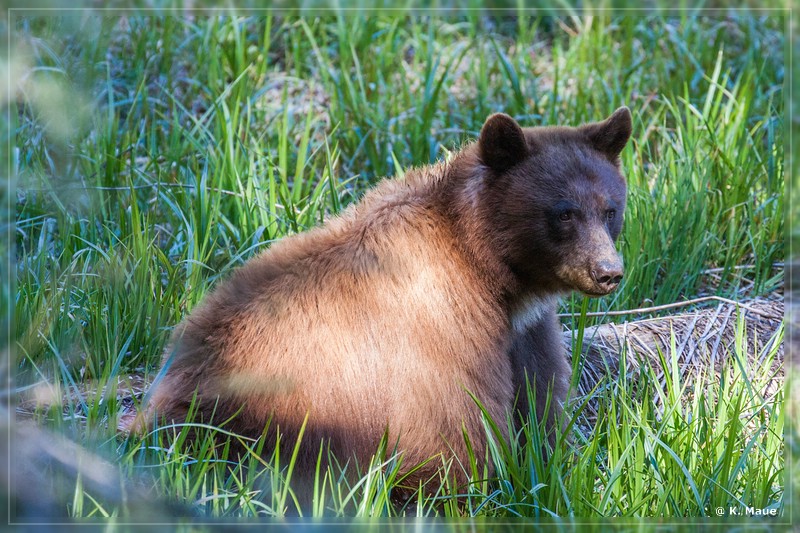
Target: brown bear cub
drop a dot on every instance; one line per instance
(437, 284)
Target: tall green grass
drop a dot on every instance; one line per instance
(160, 153)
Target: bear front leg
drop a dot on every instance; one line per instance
(538, 352)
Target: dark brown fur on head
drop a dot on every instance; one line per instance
(557, 200)
(440, 283)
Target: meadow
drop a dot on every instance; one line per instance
(151, 154)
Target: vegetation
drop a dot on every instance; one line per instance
(153, 154)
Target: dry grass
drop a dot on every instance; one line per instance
(704, 342)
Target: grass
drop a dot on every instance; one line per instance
(162, 152)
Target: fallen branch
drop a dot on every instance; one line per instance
(673, 305)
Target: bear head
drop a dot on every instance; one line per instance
(556, 198)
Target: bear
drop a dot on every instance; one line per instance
(438, 285)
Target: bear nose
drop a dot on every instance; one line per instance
(607, 273)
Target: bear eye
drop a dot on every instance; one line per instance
(610, 214)
(565, 216)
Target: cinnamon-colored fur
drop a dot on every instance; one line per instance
(383, 318)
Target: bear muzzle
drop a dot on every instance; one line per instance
(597, 278)
(607, 275)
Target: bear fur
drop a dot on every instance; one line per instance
(438, 283)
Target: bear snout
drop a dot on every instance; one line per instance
(607, 274)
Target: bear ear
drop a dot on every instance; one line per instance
(502, 142)
(611, 135)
